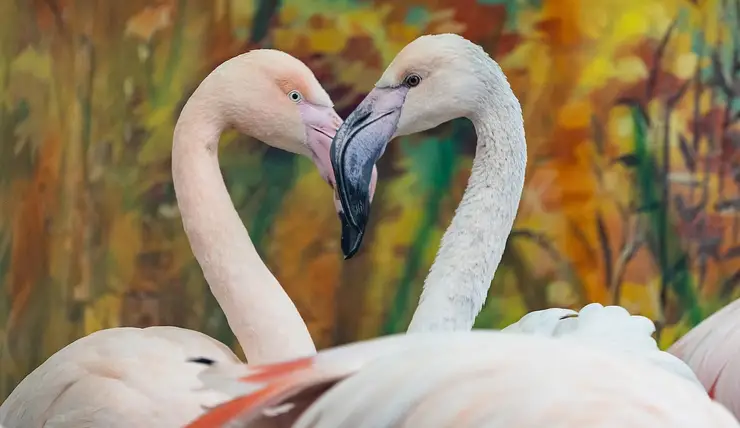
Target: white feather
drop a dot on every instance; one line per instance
(611, 328)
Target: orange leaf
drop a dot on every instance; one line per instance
(150, 20)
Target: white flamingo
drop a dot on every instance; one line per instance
(431, 81)
(459, 379)
(126, 377)
(438, 78)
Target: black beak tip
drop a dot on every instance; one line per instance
(355, 246)
(351, 237)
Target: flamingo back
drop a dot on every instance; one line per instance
(460, 379)
(118, 378)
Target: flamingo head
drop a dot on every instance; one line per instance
(275, 98)
(434, 79)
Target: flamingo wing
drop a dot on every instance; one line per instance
(711, 350)
(460, 379)
(119, 378)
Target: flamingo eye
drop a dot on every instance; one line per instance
(412, 80)
(295, 96)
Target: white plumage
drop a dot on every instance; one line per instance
(461, 379)
(610, 328)
(138, 373)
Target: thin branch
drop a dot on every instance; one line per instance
(628, 252)
(676, 98)
(696, 137)
(729, 284)
(606, 250)
(597, 130)
(564, 264)
(583, 239)
(632, 102)
(624, 215)
(718, 74)
(665, 199)
(657, 59)
(687, 153)
(540, 239)
(57, 13)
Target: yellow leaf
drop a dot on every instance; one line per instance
(640, 299)
(33, 62)
(157, 146)
(685, 65)
(289, 13)
(597, 72)
(125, 238)
(560, 294)
(103, 313)
(671, 333)
(574, 115)
(632, 23)
(158, 143)
(285, 38)
(402, 33)
(631, 70)
(391, 241)
(310, 277)
(327, 40)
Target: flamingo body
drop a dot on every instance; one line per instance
(460, 379)
(127, 377)
(119, 371)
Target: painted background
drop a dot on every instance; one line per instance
(631, 111)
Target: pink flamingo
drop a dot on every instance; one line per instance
(130, 377)
(712, 350)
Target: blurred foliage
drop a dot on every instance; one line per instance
(631, 110)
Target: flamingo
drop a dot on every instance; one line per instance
(711, 350)
(459, 379)
(434, 79)
(438, 78)
(124, 377)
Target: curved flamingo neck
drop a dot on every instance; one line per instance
(262, 316)
(471, 248)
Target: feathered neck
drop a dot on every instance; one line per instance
(471, 248)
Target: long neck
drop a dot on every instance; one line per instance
(259, 312)
(471, 248)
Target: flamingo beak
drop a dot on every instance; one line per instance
(321, 125)
(356, 148)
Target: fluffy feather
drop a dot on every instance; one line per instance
(464, 379)
(97, 379)
(611, 328)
